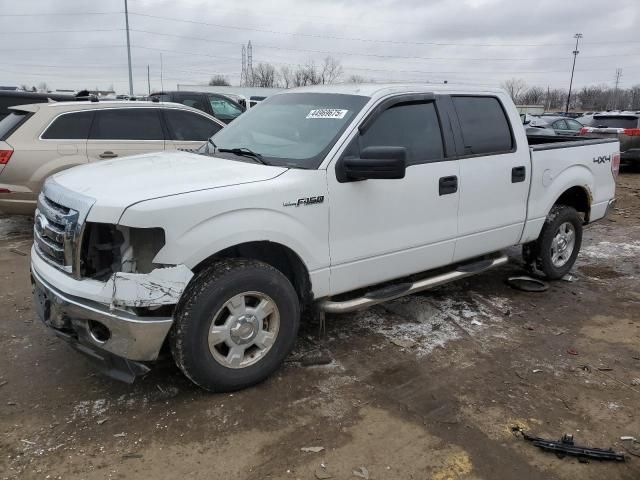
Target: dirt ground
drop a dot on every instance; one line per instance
(425, 387)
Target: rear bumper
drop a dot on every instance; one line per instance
(128, 338)
(15, 206)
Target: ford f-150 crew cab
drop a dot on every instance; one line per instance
(329, 198)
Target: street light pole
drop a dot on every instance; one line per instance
(126, 19)
(577, 36)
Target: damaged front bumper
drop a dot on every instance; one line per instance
(118, 339)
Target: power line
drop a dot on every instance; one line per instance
(56, 14)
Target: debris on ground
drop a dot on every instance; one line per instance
(537, 370)
(566, 446)
(101, 421)
(362, 472)
(476, 322)
(527, 284)
(571, 351)
(17, 252)
(569, 277)
(403, 342)
(322, 473)
(120, 434)
(635, 382)
(312, 449)
(3, 383)
(321, 358)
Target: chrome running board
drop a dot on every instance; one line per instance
(391, 292)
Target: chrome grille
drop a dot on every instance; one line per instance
(54, 233)
(59, 226)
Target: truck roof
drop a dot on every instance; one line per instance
(381, 89)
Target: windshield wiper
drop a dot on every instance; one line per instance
(210, 142)
(244, 152)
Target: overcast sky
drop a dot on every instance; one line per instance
(78, 44)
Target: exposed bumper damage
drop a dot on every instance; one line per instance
(110, 333)
(162, 286)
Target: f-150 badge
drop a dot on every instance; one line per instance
(304, 201)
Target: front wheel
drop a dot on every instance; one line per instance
(558, 245)
(234, 325)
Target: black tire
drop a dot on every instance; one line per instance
(540, 250)
(207, 294)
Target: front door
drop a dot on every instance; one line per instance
(385, 229)
(188, 130)
(121, 132)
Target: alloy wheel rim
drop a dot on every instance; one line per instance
(244, 330)
(563, 244)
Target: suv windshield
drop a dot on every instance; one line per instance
(292, 129)
(615, 121)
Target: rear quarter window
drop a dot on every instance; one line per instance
(12, 122)
(484, 124)
(69, 126)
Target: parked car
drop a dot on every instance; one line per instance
(38, 140)
(564, 126)
(625, 126)
(12, 98)
(219, 106)
(536, 126)
(328, 198)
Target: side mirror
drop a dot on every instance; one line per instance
(374, 163)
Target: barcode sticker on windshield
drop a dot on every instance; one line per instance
(327, 113)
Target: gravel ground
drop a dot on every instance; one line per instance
(428, 386)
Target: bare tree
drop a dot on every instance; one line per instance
(555, 98)
(330, 71)
(515, 87)
(264, 75)
(532, 96)
(42, 86)
(634, 100)
(356, 79)
(219, 81)
(285, 76)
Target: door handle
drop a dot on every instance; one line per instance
(518, 174)
(108, 154)
(448, 185)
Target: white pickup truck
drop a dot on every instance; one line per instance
(332, 198)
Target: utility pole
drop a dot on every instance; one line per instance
(250, 63)
(126, 20)
(577, 36)
(615, 90)
(148, 79)
(243, 72)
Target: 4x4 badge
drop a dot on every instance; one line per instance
(602, 159)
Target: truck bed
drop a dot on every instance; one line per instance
(547, 142)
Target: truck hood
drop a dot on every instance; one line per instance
(117, 184)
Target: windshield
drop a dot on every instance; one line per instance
(292, 129)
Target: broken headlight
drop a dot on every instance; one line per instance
(107, 249)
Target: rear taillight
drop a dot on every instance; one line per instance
(584, 131)
(5, 155)
(632, 132)
(615, 165)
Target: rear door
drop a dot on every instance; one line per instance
(494, 177)
(188, 130)
(121, 132)
(199, 101)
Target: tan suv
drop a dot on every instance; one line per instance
(41, 139)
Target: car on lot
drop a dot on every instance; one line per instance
(326, 199)
(220, 106)
(39, 140)
(562, 125)
(625, 126)
(12, 98)
(536, 126)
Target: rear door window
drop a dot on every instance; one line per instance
(189, 126)
(560, 125)
(195, 101)
(127, 124)
(573, 124)
(615, 121)
(414, 126)
(484, 124)
(70, 126)
(11, 122)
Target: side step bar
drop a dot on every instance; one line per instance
(392, 292)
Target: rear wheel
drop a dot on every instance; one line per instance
(235, 324)
(556, 249)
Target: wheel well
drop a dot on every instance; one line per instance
(278, 256)
(578, 198)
